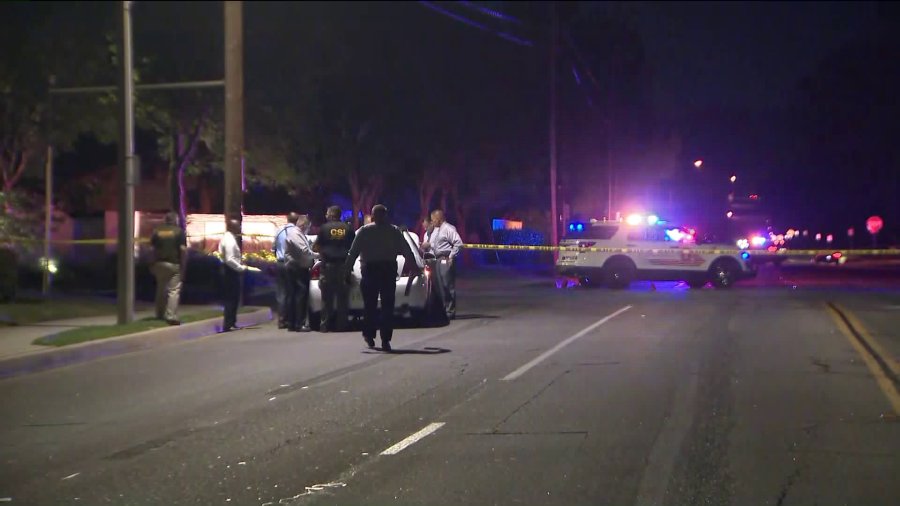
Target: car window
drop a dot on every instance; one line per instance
(413, 242)
(655, 234)
(602, 233)
(648, 234)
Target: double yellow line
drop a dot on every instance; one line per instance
(883, 366)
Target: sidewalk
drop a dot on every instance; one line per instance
(16, 340)
(19, 356)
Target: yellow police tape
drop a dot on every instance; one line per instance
(139, 240)
(515, 247)
(674, 250)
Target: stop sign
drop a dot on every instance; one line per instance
(874, 224)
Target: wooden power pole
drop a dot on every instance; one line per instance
(234, 109)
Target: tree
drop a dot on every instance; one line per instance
(42, 47)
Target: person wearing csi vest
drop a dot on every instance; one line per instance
(333, 245)
(378, 245)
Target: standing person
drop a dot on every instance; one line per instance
(299, 258)
(279, 245)
(378, 244)
(333, 245)
(232, 268)
(428, 228)
(169, 254)
(444, 242)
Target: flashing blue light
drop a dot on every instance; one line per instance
(579, 227)
(652, 219)
(745, 255)
(571, 227)
(576, 227)
(674, 234)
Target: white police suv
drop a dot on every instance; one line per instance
(615, 253)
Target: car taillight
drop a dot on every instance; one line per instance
(588, 244)
(316, 271)
(836, 255)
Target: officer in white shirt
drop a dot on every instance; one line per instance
(445, 244)
(232, 268)
(378, 244)
(279, 246)
(298, 259)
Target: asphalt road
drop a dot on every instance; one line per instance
(535, 395)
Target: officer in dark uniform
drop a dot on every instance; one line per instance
(333, 244)
(170, 255)
(379, 244)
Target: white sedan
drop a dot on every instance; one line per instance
(414, 296)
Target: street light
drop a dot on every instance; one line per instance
(698, 163)
(729, 214)
(733, 178)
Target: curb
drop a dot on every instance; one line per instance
(146, 340)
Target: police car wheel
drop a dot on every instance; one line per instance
(724, 274)
(619, 273)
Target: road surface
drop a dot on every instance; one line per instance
(535, 395)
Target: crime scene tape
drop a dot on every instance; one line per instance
(138, 240)
(520, 247)
(681, 250)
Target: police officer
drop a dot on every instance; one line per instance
(378, 244)
(444, 242)
(333, 244)
(169, 250)
(428, 228)
(282, 279)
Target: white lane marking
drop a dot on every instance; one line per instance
(402, 445)
(543, 356)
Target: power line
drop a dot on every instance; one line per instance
(462, 19)
(491, 12)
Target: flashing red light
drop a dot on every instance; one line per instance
(773, 249)
(754, 197)
(836, 255)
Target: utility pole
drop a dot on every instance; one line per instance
(48, 215)
(610, 174)
(234, 109)
(554, 214)
(48, 191)
(126, 172)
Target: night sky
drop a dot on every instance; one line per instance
(741, 54)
